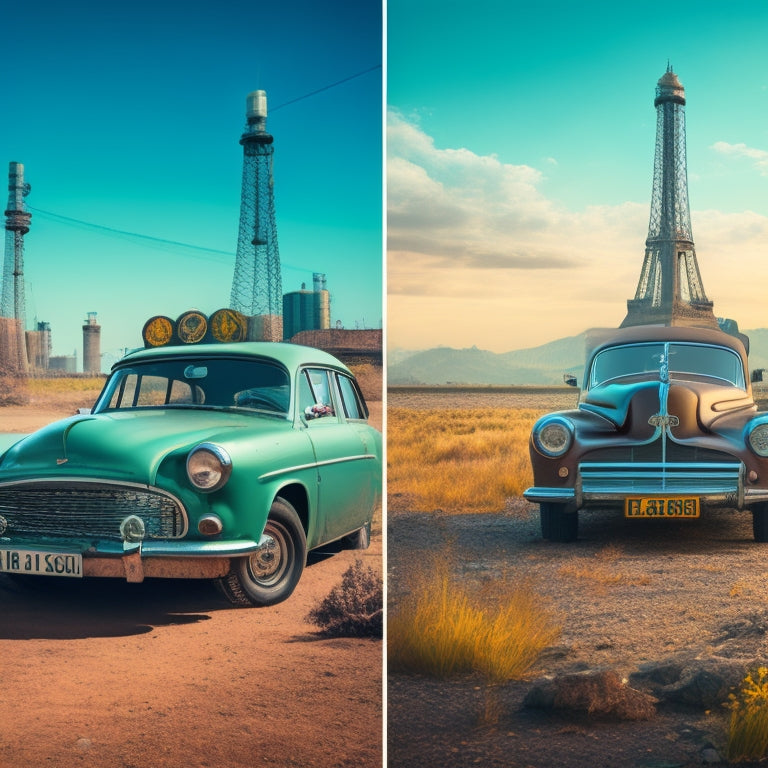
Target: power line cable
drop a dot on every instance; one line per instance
(196, 251)
(175, 244)
(326, 87)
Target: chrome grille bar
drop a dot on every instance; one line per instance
(658, 477)
(87, 509)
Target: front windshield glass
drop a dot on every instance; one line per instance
(206, 382)
(683, 360)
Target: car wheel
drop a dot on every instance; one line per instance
(557, 524)
(760, 522)
(270, 574)
(360, 539)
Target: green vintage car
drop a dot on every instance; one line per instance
(222, 461)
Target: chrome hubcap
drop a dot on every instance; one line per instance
(268, 563)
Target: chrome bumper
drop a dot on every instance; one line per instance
(716, 484)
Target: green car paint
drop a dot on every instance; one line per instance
(293, 482)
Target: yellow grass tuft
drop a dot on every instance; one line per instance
(442, 629)
(748, 730)
(601, 570)
(466, 460)
(64, 384)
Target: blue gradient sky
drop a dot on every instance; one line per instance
(128, 116)
(520, 161)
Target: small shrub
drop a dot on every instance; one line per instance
(442, 629)
(748, 731)
(354, 608)
(14, 390)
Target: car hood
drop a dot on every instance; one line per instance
(128, 445)
(694, 404)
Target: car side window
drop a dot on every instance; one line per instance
(351, 398)
(315, 393)
(125, 393)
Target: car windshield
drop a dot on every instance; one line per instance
(208, 382)
(682, 360)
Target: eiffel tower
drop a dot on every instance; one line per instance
(670, 291)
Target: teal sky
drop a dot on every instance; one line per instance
(128, 117)
(520, 159)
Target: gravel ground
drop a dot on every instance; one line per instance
(628, 593)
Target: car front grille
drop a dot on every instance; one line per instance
(659, 478)
(88, 509)
(660, 467)
(673, 452)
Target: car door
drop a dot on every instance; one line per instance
(346, 488)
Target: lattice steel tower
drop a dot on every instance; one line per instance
(670, 290)
(256, 286)
(17, 220)
(16, 226)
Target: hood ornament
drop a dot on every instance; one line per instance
(664, 420)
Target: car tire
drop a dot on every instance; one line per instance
(360, 539)
(269, 575)
(557, 524)
(760, 522)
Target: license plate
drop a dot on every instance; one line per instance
(662, 506)
(36, 563)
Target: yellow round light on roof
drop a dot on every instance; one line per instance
(192, 327)
(228, 325)
(157, 331)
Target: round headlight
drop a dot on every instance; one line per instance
(553, 436)
(208, 467)
(758, 439)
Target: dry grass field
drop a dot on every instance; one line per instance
(623, 596)
(460, 461)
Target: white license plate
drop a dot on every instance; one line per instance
(37, 563)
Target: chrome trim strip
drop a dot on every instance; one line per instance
(314, 465)
(180, 549)
(201, 548)
(539, 494)
(753, 495)
(718, 482)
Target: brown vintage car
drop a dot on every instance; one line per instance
(666, 426)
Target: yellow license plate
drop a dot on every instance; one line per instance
(661, 506)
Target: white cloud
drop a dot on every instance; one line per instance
(759, 157)
(477, 253)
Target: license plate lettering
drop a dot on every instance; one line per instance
(41, 563)
(662, 506)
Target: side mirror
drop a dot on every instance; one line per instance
(570, 380)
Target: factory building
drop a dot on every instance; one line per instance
(306, 310)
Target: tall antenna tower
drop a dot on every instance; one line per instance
(257, 289)
(17, 220)
(670, 290)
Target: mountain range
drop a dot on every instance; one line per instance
(542, 365)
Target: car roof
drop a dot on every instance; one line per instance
(292, 356)
(643, 333)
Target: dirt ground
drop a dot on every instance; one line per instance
(166, 673)
(627, 594)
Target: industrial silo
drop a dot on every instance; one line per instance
(322, 317)
(91, 345)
